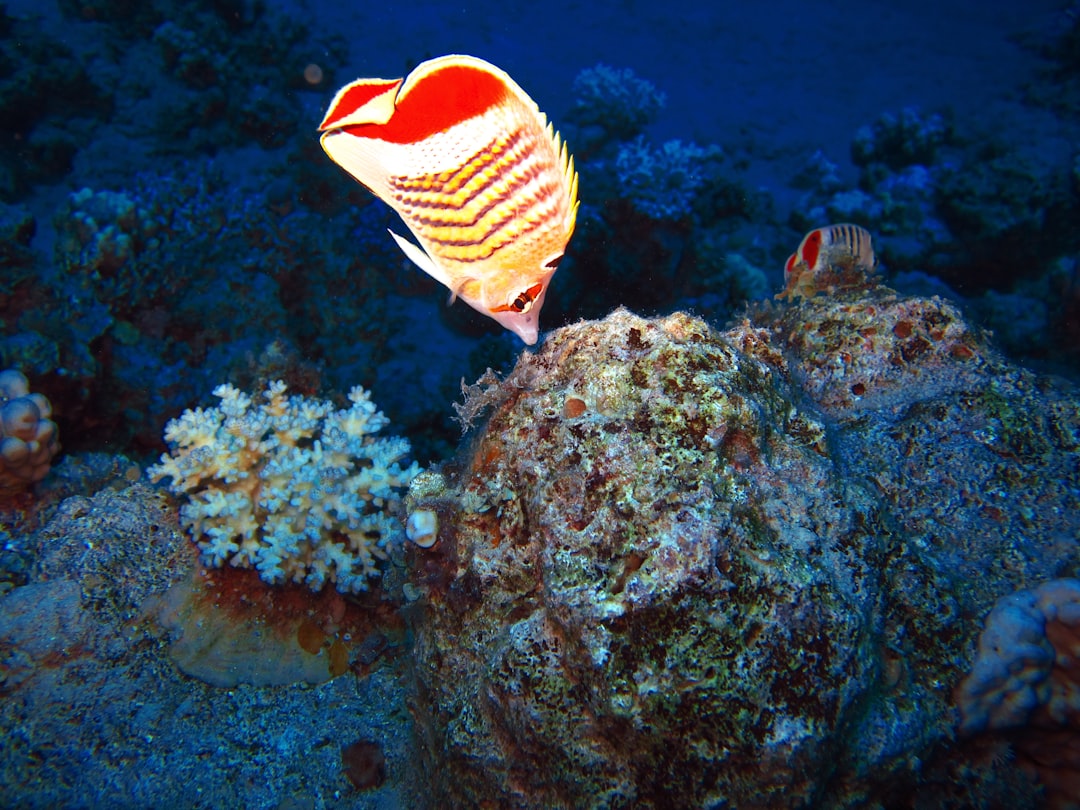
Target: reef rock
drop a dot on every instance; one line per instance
(646, 590)
(681, 567)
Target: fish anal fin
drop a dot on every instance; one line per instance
(417, 256)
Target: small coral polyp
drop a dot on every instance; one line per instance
(291, 487)
(28, 439)
(1024, 667)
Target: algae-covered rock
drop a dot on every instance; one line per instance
(977, 463)
(687, 568)
(646, 591)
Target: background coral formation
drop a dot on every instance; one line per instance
(674, 507)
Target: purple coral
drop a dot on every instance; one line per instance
(1028, 660)
(27, 435)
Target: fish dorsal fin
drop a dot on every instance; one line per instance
(570, 177)
(421, 259)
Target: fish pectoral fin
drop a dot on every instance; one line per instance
(417, 256)
(456, 290)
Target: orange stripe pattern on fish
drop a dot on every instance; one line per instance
(830, 257)
(476, 172)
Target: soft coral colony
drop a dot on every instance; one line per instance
(291, 486)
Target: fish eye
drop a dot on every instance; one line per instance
(522, 302)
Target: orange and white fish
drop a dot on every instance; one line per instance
(836, 255)
(474, 169)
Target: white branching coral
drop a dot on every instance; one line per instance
(290, 486)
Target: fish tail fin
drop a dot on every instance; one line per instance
(364, 101)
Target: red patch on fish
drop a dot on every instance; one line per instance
(811, 248)
(442, 98)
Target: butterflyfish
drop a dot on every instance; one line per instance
(830, 257)
(476, 172)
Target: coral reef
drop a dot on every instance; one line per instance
(992, 219)
(1004, 211)
(228, 66)
(665, 226)
(28, 437)
(612, 104)
(113, 243)
(662, 183)
(291, 487)
(874, 349)
(158, 284)
(1026, 662)
(971, 215)
(1057, 80)
(156, 292)
(17, 229)
(900, 157)
(645, 574)
(899, 140)
(48, 102)
(681, 566)
(975, 460)
(664, 222)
